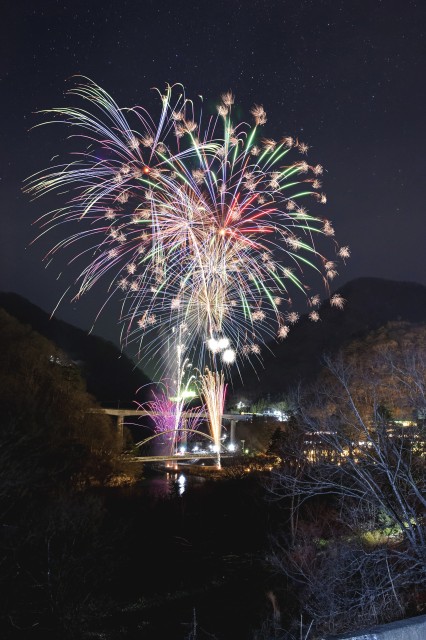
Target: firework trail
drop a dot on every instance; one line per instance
(213, 391)
(195, 220)
(167, 407)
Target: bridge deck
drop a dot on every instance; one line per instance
(179, 458)
(187, 414)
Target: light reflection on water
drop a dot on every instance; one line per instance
(170, 483)
(181, 482)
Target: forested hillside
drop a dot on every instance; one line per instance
(370, 303)
(110, 375)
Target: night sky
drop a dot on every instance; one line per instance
(345, 76)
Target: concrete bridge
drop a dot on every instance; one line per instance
(120, 414)
(176, 458)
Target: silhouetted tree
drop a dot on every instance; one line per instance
(363, 453)
(52, 446)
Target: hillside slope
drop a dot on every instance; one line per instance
(110, 375)
(370, 303)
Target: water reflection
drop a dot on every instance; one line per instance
(181, 482)
(170, 483)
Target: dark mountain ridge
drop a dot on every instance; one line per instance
(370, 304)
(110, 375)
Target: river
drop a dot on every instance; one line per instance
(165, 484)
(200, 563)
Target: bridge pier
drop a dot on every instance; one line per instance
(183, 434)
(120, 431)
(232, 434)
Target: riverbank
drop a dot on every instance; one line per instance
(207, 471)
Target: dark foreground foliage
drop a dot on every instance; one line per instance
(52, 447)
(353, 466)
(343, 528)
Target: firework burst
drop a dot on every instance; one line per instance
(193, 221)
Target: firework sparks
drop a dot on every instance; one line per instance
(166, 415)
(283, 331)
(213, 391)
(344, 252)
(170, 418)
(206, 220)
(337, 300)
